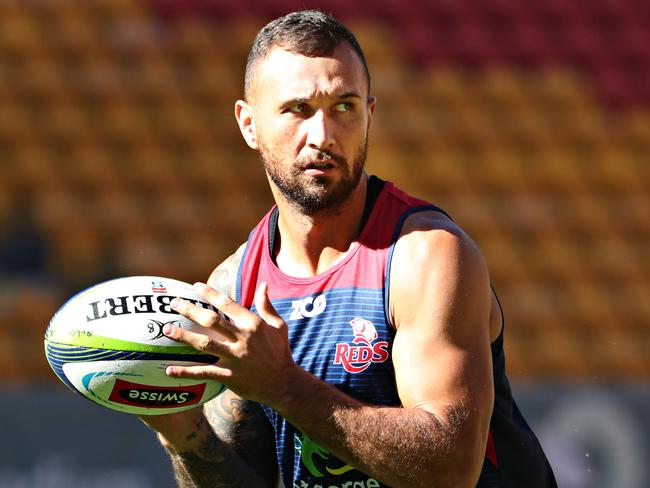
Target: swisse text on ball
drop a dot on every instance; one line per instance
(139, 395)
(124, 305)
(147, 397)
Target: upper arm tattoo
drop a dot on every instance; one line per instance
(224, 278)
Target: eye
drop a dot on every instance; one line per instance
(299, 108)
(343, 107)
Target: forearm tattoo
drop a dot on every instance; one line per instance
(225, 469)
(229, 451)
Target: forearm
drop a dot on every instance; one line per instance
(204, 460)
(402, 447)
(224, 468)
(227, 442)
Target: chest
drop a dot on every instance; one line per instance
(342, 337)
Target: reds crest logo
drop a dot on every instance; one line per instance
(359, 355)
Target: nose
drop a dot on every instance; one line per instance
(319, 131)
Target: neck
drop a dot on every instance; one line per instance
(310, 244)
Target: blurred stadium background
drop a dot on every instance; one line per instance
(529, 121)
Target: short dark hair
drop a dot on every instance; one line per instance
(307, 32)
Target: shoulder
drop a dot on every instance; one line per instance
(224, 276)
(435, 260)
(430, 235)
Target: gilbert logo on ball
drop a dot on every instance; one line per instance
(106, 343)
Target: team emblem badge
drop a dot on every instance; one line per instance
(364, 351)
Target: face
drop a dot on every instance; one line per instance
(309, 119)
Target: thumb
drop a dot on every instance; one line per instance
(265, 308)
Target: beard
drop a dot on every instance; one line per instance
(315, 194)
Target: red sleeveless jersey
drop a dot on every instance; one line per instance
(339, 331)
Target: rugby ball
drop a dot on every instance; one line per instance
(106, 343)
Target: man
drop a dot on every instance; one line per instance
(358, 334)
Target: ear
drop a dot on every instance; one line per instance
(246, 121)
(372, 103)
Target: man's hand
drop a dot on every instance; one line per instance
(254, 355)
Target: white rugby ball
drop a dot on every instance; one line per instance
(106, 343)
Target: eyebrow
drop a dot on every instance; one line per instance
(296, 101)
(349, 95)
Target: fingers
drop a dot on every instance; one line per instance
(199, 372)
(221, 301)
(195, 312)
(205, 317)
(201, 342)
(265, 308)
(232, 309)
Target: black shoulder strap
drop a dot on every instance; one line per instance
(375, 186)
(273, 226)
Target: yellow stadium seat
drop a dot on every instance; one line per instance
(583, 214)
(507, 262)
(19, 31)
(555, 258)
(34, 169)
(441, 170)
(90, 169)
(118, 211)
(121, 120)
(500, 91)
(15, 123)
(26, 310)
(200, 253)
(499, 171)
(444, 88)
(630, 303)
(634, 133)
(554, 170)
(77, 251)
(613, 259)
(588, 307)
(613, 170)
(559, 89)
(628, 213)
(151, 170)
(145, 252)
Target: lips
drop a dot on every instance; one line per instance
(321, 161)
(318, 165)
(318, 169)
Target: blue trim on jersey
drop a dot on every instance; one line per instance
(393, 241)
(240, 267)
(334, 291)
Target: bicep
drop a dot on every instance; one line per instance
(243, 425)
(440, 298)
(436, 373)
